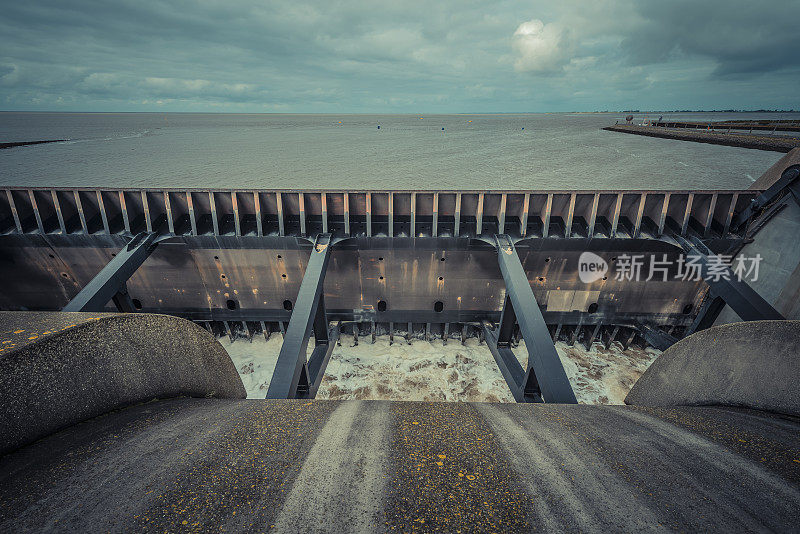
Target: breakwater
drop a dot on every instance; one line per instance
(742, 140)
(25, 143)
(762, 125)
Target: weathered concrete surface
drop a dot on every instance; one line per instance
(754, 364)
(774, 173)
(778, 280)
(57, 369)
(759, 142)
(779, 269)
(367, 466)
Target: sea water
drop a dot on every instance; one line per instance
(519, 151)
(522, 151)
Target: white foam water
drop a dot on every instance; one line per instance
(428, 371)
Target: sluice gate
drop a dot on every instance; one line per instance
(502, 266)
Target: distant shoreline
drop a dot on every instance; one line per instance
(400, 113)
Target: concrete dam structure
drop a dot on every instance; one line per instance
(120, 410)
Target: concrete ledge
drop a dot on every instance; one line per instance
(774, 173)
(208, 465)
(751, 364)
(57, 369)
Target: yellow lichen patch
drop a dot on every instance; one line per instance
(414, 423)
(440, 497)
(33, 337)
(18, 331)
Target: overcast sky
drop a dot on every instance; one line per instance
(370, 56)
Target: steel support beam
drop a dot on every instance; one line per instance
(122, 300)
(544, 379)
(709, 311)
(655, 337)
(110, 282)
(296, 377)
(628, 340)
(737, 294)
(576, 332)
(592, 337)
(790, 178)
(611, 337)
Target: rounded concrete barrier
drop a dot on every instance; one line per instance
(751, 364)
(57, 368)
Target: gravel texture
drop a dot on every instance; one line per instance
(57, 369)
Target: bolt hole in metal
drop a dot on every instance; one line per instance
(216, 257)
(441, 259)
(380, 259)
(287, 305)
(547, 260)
(688, 309)
(541, 278)
(137, 304)
(283, 276)
(231, 304)
(381, 305)
(592, 308)
(438, 306)
(64, 275)
(441, 278)
(279, 256)
(380, 278)
(51, 255)
(222, 276)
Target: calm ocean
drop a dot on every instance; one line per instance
(525, 151)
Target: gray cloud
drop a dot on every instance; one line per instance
(400, 56)
(741, 37)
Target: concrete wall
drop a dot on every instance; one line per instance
(754, 364)
(779, 270)
(773, 174)
(57, 369)
(779, 247)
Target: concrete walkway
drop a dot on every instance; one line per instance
(366, 466)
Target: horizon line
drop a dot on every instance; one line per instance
(761, 110)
